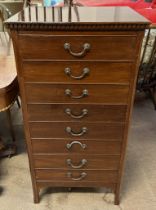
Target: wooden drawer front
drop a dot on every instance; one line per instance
(89, 72)
(43, 146)
(77, 161)
(41, 93)
(48, 183)
(77, 112)
(71, 175)
(77, 130)
(107, 47)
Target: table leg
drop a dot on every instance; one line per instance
(18, 102)
(10, 124)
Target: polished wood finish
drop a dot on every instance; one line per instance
(94, 130)
(8, 82)
(57, 112)
(43, 183)
(107, 162)
(50, 146)
(47, 93)
(8, 94)
(104, 72)
(92, 175)
(78, 19)
(51, 47)
(57, 126)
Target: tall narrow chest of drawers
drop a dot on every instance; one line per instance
(77, 69)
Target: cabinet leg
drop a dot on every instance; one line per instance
(117, 201)
(117, 197)
(36, 195)
(36, 199)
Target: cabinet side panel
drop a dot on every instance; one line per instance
(14, 36)
(129, 111)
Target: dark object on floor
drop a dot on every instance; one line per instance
(7, 150)
(1, 190)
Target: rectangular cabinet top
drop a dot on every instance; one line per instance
(77, 18)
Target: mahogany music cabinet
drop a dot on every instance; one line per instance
(77, 69)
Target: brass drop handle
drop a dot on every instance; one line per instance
(69, 112)
(69, 145)
(82, 163)
(86, 47)
(81, 133)
(85, 72)
(82, 176)
(68, 92)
